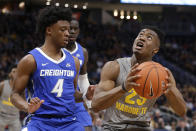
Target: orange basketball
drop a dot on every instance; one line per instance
(152, 80)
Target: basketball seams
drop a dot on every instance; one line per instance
(147, 66)
(151, 74)
(158, 78)
(146, 79)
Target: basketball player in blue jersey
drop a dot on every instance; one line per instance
(81, 53)
(54, 75)
(125, 109)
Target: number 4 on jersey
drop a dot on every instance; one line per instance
(58, 88)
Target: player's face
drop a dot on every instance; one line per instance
(74, 31)
(12, 74)
(60, 33)
(146, 43)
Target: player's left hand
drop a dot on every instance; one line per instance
(90, 92)
(34, 104)
(171, 81)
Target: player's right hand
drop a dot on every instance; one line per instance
(90, 92)
(131, 77)
(34, 104)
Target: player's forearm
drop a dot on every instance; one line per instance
(104, 99)
(19, 102)
(176, 101)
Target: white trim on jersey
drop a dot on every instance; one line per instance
(49, 58)
(24, 129)
(72, 52)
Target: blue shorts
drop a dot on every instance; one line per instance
(84, 118)
(53, 124)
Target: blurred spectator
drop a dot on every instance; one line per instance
(182, 126)
(193, 127)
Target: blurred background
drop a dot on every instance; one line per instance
(107, 30)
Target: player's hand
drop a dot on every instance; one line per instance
(34, 104)
(171, 81)
(131, 77)
(90, 92)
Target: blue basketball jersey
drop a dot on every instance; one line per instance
(53, 82)
(82, 115)
(78, 52)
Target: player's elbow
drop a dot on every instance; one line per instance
(182, 112)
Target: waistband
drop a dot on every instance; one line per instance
(52, 116)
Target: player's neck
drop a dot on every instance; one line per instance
(135, 59)
(71, 46)
(51, 50)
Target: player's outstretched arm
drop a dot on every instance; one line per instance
(106, 94)
(25, 68)
(174, 97)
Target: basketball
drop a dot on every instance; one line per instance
(152, 80)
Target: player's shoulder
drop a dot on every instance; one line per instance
(27, 63)
(110, 70)
(85, 52)
(28, 59)
(112, 65)
(83, 48)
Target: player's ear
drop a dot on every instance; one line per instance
(9, 75)
(155, 51)
(48, 30)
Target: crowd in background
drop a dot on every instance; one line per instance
(105, 43)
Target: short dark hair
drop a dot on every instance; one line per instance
(160, 33)
(50, 15)
(11, 67)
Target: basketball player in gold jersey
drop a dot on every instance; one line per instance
(9, 114)
(125, 109)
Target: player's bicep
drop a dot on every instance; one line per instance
(83, 69)
(109, 75)
(77, 65)
(25, 68)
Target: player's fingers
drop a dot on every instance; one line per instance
(135, 66)
(168, 85)
(134, 84)
(42, 101)
(131, 85)
(132, 78)
(32, 102)
(36, 100)
(168, 79)
(92, 87)
(168, 72)
(134, 71)
(165, 90)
